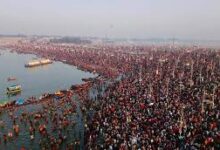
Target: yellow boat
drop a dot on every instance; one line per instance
(14, 89)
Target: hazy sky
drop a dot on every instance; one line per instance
(190, 19)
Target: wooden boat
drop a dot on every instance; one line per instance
(87, 79)
(59, 94)
(11, 79)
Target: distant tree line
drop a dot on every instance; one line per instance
(75, 40)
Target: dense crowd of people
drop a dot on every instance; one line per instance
(167, 98)
(170, 101)
(52, 122)
(48, 123)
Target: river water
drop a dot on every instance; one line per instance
(35, 82)
(38, 80)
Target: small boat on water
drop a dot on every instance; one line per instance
(14, 89)
(59, 94)
(40, 62)
(11, 79)
(88, 79)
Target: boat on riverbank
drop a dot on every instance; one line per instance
(40, 62)
(14, 89)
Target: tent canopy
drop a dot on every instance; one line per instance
(19, 101)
